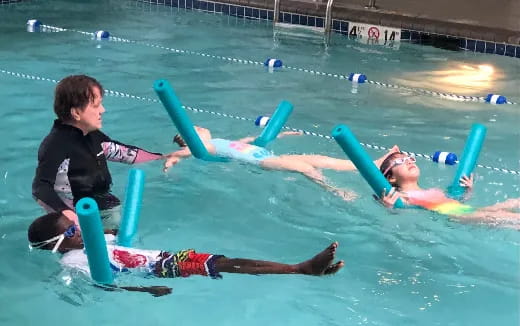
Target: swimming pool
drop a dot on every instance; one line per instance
(406, 269)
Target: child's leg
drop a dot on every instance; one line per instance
(510, 204)
(291, 164)
(284, 163)
(322, 162)
(320, 264)
(493, 216)
(326, 162)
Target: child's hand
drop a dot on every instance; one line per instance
(170, 161)
(390, 199)
(158, 291)
(466, 182)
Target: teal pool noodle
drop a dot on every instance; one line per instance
(180, 118)
(351, 146)
(132, 208)
(277, 121)
(469, 158)
(94, 240)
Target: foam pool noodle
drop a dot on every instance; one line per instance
(181, 120)
(132, 208)
(277, 121)
(469, 158)
(94, 240)
(351, 146)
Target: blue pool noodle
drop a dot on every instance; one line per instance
(133, 200)
(351, 146)
(469, 158)
(277, 121)
(94, 240)
(173, 105)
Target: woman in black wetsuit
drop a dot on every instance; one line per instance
(72, 159)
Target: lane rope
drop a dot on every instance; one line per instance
(113, 93)
(442, 95)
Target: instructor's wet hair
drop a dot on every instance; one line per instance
(74, 91)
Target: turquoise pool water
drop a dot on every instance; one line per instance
(411, 268)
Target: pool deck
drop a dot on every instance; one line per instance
(497, 21)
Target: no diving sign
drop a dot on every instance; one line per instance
(374, 33)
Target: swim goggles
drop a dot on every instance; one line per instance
(69, 233)
(399, 161)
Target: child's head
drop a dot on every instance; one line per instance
(398, 168)
(204, 134)
(54, 231)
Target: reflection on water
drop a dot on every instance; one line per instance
(465, 79)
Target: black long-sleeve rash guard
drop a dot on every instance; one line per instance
(72, 166)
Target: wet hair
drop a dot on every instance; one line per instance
(387, 163)
(44, 228)
(74, 91)
(179, 140)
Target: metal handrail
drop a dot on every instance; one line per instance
(276, 11)
(371, 4)
(328, 18)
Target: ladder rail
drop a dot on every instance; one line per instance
(328, 18)
(276, 12)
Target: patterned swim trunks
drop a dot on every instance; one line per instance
(186, 263)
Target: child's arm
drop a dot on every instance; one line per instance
(156, 291)
(250, 139)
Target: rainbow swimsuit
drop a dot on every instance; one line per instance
(435, 200)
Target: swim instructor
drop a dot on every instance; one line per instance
(72, 159)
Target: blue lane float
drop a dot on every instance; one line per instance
(180, 118)
(34, 25)
(357, 78)
(101, 35)
(496, 99)
(469, 158)
(444, 158)
(351, 146)
(262, 121)
(274, 124)
(132, 209)
(94, 240)
(273, 63)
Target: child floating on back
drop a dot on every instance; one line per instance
(56, 232)
(242, 150)
(403, 174)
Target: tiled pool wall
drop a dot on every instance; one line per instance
(341, 26)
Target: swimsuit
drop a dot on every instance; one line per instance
(240, 151)
(435, 200)
(149, 262)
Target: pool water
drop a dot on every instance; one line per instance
(410, 268)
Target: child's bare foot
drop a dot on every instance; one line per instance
(322, 263)
(394, 149)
